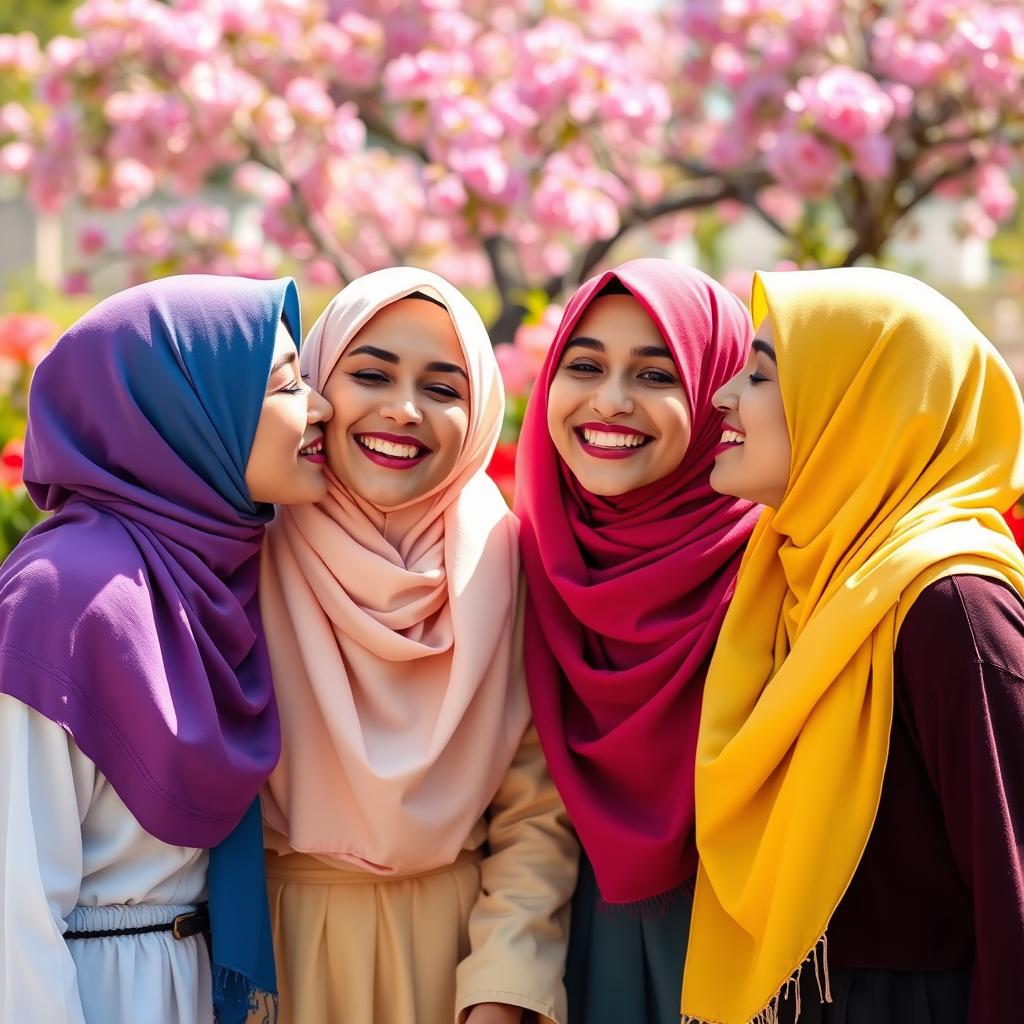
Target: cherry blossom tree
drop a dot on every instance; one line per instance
(511, 143)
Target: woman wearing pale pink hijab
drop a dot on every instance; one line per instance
(420, 860)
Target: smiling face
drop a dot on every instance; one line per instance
(286, 463)
(753, 458)
(617, 412)
(400, 391)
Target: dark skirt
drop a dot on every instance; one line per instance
(625, 963)
(869, 996)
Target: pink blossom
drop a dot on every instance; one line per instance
(730, 66)
(15, 120)
(515, 373)
(975, 221)
(76, 283)
(803, 163)
(132, 180)
(902, 97)
(484, 169)
(739, 281)
(323, 273)
(55, 89)
(273, 122)
(19, 53)
(346, 134)
(995, 193)
(782, 205)
(844, 103)
(15, 158)
(534, 339)
(446, 196)
(91, 240)
(309, 100)
(872, 157)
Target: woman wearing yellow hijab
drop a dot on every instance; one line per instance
(860, 766)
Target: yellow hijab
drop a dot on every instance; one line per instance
(906, 430)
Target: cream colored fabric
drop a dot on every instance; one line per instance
(74, 858)
(358, 948)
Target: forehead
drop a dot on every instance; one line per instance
(413, 329)
(283, 340)
(619, 322)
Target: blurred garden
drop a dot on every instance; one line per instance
(514, 146)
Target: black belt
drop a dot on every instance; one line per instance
(182, 927)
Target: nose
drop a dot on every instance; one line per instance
(610, 398)
(726, 398)
(401, 409)
(319, 409)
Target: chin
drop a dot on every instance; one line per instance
(602, 485)
(722, 485)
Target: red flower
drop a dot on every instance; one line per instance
(1015, 520)
(12, 463)
(25, 337)
(502, 469)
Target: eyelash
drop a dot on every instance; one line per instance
(756, 378)
(295, 389)
(651, 376)
(375, 377)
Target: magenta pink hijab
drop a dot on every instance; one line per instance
(626, 596)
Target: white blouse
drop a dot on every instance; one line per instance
(74, 858)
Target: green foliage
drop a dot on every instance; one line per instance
(45, 18)
(17, 516)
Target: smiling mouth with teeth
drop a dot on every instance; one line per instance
(396, 451)
(732, 437)
(603, 439)
(392, 453)
(613, 441)
(314, 451)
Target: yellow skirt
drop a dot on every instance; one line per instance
(356, 948)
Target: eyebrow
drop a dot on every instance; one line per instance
(378, 353)
(390, 357)
(641, 351)
(282, 361)
(760, 345)
(446, 368)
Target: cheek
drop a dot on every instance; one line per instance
(672, 417)
(348, 407)
(451, 428)
(563, 399)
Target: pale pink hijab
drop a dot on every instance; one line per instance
(391, 633)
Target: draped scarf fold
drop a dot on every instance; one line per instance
(625, 596)
(906, 430)
(391, 633)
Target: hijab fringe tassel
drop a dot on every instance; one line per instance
(650, 907)
(237, 1001)
(818, 956)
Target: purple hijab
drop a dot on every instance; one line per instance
(130, 616)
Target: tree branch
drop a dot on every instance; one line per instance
(308, 219)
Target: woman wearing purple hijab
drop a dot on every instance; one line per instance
(137, 718)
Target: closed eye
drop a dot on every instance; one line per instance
(445, 391)
(370, 376)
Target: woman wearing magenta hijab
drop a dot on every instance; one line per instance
(630, 559)
(137, 718)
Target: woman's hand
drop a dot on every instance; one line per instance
(495, 1013)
